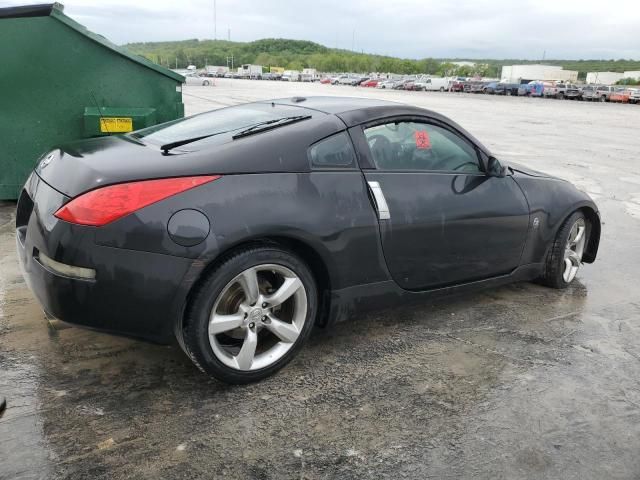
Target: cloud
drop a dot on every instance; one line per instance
(407, 28)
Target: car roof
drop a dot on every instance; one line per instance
(357, 110)
(333, 105)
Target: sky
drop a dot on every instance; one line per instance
(523, 29)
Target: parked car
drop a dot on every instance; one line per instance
(573, 92)
(620, 95)
(373, 82)
(326, 80)
(406, 84)
(556, 90)
(597, 92)
(477, 87)
(431, 84)
(387, 84)
(634, 95)
(236, 231)
(490, 88)
(348, 80)
(531, 89)
(506, 89)
(290, 76)
(195, 79)
(457, 86)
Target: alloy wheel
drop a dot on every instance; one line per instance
(574, 250)
(257, 317)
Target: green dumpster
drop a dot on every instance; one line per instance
(60, 82)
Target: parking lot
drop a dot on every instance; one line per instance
(517, 382)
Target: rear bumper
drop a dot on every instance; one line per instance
(134, 293)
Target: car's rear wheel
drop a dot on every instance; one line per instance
(565, 256)
(251, 315)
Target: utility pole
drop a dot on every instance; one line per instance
(229, 34)
(215, 21)
(353, 41)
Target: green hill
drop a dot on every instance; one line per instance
(298, 54)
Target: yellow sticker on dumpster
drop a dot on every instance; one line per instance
(116, 124)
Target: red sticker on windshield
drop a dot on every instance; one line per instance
(422, 140)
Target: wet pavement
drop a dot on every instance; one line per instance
(517, 382)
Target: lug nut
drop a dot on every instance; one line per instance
(264, 305)
(252, 325)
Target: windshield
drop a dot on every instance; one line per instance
(225, 120)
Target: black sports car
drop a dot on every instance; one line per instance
(235, 231)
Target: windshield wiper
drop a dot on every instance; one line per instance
(269, 124)
(169, 146)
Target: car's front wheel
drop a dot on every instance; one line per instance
(565, 255)
(251, 315)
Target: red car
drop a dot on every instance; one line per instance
(325, 80)
(457, 87)
(371, 83)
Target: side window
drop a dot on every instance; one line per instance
(420, 146)
(334, 151)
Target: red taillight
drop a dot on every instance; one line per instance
(107, 204)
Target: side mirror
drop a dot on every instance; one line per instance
(494, 169)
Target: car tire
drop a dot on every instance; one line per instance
(557, 262)
(212, 352)
(205, 83)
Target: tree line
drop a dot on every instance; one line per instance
(299, 54)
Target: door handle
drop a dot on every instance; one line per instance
(381, 202)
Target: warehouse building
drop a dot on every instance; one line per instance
(634, 74)
(604, 78)
(527, 73)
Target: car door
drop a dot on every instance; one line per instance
(442, 219)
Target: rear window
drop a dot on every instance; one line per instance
(218, 123)
(335, 151)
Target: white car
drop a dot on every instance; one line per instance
(194, 79)
(387, 84)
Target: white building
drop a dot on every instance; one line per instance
(464, 63)
(524, 73)
(604, 78)
(633, 74)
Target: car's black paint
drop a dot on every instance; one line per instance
(447, 233)
(447, 228)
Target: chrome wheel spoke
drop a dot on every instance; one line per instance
(249, 283)
(287, 332)
(286, 290)
(573, 257)
(244, 359)
(223, 323)
(579, 235)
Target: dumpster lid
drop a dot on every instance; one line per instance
(55, 10)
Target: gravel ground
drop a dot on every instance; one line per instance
(516, 382)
